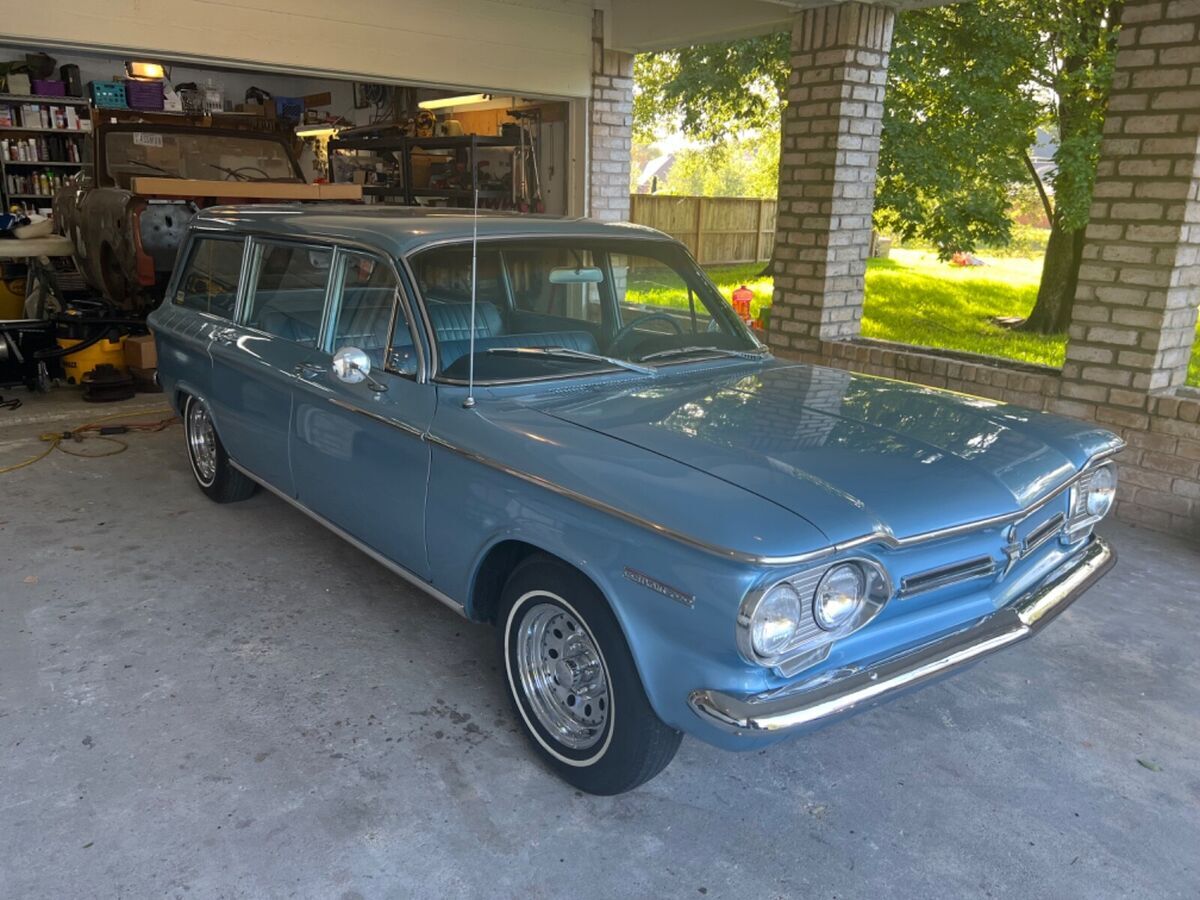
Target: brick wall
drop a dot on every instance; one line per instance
(831, 129)
(1134, 317)
(611, 114)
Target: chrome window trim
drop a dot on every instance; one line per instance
(431, 335)
(181, 267)
(398, 304)
(253, 260)
(248, 234)
(410, 577)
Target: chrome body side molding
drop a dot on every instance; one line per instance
(723, 552)
(878, 537)
(414, 580)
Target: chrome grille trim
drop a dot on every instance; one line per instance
(944, 576)
(1045, 532)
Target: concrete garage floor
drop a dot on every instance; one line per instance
(228, 701)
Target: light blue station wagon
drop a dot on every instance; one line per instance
(671, 530)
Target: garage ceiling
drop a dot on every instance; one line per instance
(522, 46)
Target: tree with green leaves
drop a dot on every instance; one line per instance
(968, 85)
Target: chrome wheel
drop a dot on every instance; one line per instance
(563, 676)
(202, 442)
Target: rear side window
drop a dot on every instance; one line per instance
(210, 280)
(287, 292)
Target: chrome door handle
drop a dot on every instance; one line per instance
(224, 335)
(308, 369)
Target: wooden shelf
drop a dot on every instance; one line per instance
(38, 162)
(78, 131)
(42, 98)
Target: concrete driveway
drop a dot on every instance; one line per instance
(206, 701)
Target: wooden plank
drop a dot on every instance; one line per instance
(248, 190)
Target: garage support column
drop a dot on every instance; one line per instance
(1134, 317)
(831, 129)
(611, 128)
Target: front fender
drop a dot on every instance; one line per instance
(675, 646)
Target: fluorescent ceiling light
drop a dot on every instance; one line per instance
(462, 100)
(315, 130)
(140, 68)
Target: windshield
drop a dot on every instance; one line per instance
(551, 308)
(185, 154)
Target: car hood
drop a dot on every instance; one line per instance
(850, 453)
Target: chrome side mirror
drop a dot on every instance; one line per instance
(353, 366)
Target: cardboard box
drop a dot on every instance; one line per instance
(140, 352)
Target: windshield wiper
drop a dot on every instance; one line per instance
(720, 351)
(151, 166)
(237, 174)
(568, 353)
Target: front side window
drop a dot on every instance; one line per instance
(560, 307)
(368, 292)
(287, 290)
(210, 278)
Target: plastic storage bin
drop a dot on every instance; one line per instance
(144, 94)
(108, 94)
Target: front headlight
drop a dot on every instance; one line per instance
(793, 623)
(840, 595)
(1101, 491)
(775, 620)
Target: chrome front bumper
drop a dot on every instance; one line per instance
(809, 704)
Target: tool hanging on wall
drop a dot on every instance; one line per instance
(520, 164)
(522, 116)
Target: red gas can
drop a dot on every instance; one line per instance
(741, 302)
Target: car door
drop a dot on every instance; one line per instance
(358, 454)
(274, 343)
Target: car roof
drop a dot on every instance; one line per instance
(400, 229)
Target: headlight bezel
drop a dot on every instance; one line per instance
(1080, 514)
(811, 642)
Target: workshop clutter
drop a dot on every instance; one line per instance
(83, 361)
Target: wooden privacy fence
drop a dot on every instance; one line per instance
(716, 229)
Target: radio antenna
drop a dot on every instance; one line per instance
(469, 403)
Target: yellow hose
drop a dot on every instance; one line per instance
(79, 434)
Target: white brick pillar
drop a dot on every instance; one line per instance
(831, 130)
(1134, 317)
(611, 128)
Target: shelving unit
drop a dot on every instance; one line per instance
(17, 176)
(465, 149)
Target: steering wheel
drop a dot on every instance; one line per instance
(627, 329)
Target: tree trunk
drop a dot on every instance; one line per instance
(1060, 273)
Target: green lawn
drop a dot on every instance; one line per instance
(912, 298)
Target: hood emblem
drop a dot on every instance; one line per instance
(1013, 548)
